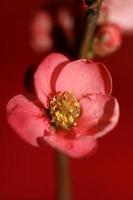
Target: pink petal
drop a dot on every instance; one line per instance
(72, 147)
(83, 77)
(121, 13)
(109, 119)
(44, 74)
(26, 119)
(100, 114)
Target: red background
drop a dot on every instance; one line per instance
(27, 173)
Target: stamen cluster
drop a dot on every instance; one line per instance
(64, 110)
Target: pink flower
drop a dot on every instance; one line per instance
(107, 40)
(41, 32)
(120, 12)
(75, 109)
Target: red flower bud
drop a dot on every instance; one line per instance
(107, 40)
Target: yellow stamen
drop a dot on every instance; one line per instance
(64, 110)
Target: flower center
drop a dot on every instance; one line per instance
(64, 110)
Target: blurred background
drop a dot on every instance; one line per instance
(28, 173)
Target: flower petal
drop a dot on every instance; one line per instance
(121, 13)
(26, 119)
(73, 147)
(82, 77)
(109, 119)
(100, 115)
(45, 72)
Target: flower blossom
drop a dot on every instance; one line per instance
(41, 32)
(74, 106)
(120, 12)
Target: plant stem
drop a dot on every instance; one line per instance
(63, 177)
(89, 28)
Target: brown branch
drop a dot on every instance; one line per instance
(89, 28)
(63, 174)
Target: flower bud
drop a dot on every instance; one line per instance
(107, 40)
